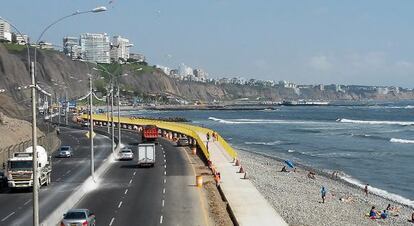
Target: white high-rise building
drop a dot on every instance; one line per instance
(5, 33)
(120, 48)
(95, 47)
(184, 70)
(20, 39)
(71, 47)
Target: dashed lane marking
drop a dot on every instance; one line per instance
(130, 182)
(163, 190)
(120, 204)
(165, 166)
(112, 221)
(163, 202)
(27, 202)
(165, 181)
(135, 173)
(165, 173)
(161, 218)
(126, 191)
(11, 214)
(59, 179)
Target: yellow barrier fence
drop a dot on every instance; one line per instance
(183, 128)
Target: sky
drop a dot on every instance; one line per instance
(367, 42)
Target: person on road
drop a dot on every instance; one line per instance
(323, 194)
(208, 136)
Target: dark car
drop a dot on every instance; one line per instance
(78, 217)
(65, 152)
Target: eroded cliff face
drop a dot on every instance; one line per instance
(55, 71)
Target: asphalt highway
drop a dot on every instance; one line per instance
(163, 195)
(67, 174)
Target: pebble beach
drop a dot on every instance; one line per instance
(297, 198)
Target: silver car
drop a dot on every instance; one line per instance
(182, 142)
(78, 217)
(126, 154)
(65, 152)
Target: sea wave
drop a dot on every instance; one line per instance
(264, 143)
(402, 123)
(378, 191)
(291, 150)
(402, 141)
(258, 121)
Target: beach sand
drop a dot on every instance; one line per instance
(297, 198)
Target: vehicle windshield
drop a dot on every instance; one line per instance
(75, 215)
(126, 151)
(20, 165)
(65, 148)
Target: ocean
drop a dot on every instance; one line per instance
(368, 144)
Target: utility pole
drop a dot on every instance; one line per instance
(112, 118)
(107, 109)
(91, 126)
(119, 114)
(66, 108)
(60, 112)
(34, 148)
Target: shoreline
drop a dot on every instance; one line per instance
(296, 197)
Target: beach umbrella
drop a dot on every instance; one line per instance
(289, 163)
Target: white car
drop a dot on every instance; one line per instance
(126, 154)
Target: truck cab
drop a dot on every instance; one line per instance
(19, 169)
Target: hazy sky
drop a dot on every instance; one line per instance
(310, 41)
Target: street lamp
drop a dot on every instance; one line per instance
(34, 135)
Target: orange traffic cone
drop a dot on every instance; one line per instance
(241, 169)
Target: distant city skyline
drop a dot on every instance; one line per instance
(306, 42)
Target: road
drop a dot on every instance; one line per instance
(67, 174)
(162, 195)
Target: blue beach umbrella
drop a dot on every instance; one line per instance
(289, 163)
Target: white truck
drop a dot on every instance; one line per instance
(19, 170)
(146, 154)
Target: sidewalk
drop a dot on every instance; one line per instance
(246, 202)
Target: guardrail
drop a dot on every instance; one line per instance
(182, 128)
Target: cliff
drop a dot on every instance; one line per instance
(57, 73)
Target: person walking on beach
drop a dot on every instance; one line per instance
(208, 136)
(366, 189)
(323, 194)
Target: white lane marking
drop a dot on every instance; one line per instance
(165, 166)
(165, 160)
(11, 214)
(126, 191)
(58, 179)
(27, 202)
(135, 173)
(164, 155)
(162, 204)
(165, 181)
(130, 181)
(120, 204)
(163, 190)
(67, 172)
(112, 221)
(161, 218)
(165, 172)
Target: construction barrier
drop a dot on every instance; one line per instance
(182, 128)
(199, 181)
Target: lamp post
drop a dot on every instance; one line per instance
(91, 126)
(33, 74)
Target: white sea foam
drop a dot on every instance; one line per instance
(379, 192)
(258, 121)
(403, 123)
(291, 151)
(402, 141)
(264, 143)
